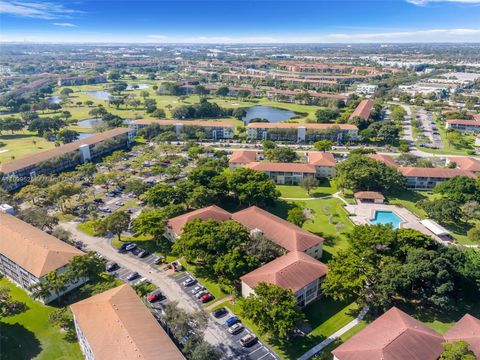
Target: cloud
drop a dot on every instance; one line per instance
(65, 24)
(426, 2)
(36, 9)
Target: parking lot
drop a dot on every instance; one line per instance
(258, 351)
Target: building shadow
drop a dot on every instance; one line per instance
(18, 343)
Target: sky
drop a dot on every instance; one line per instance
(233, 21)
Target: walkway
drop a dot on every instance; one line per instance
(317, 348)
(218, 302)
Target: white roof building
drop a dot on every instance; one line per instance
(434, 227)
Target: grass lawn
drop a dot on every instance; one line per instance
(211, 286)
(20, 144)
(28, 335)
(408, 199)
(294, 191)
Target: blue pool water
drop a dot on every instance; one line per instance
(386, 217)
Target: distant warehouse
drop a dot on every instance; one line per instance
(19, 172)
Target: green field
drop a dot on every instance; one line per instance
(28, 335)
(292, 191)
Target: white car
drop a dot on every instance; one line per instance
(235, 328)
(197, 288)
(189, 282)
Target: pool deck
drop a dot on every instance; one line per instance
(362, 213)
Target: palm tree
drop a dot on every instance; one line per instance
(40, 290)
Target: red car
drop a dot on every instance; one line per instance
(154, 296)
(206, 298)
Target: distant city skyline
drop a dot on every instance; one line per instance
(229, 22)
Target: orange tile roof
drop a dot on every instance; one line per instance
(435, 172)
(468, 329)
(374, 195)
(117, 325)
(242, 157)
(394, 335)
(293, 271)
(318, 158)
(282, 167)
(64, 149)
(466, 163)
(34, 250)
(211, 212)
(281, 232)
(204, 123)
(364, 109)
(387, 160)
(286, 125)
(464, 122)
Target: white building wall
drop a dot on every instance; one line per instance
(246, 290)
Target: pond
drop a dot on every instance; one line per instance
(54, 100)
(88, 122)
(82, 136)
(140, 86)
(99, 94)
(269, 113)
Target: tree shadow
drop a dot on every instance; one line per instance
(280, 208)
(17, 342)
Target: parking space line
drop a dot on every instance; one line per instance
(268, 353)
(261, 347)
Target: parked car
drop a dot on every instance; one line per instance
(119, 203)
(154, 296)
(143, 253)
(235, 329)
(189, 282)
(100, 201)
(124, 245)
(220, 312)
(197, 289)
(200, 294)
(158, 260)
(231, 320)
(133, 276)
(111, 266)
(206, 298)
(248, 340)
(130, 247)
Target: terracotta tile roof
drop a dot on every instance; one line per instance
(211, 212)
(282, 167)
(466, 163)
(435, 172)
(204, 123)
(468, 329)
(313, 94)
(318, 158)
(364, 109)
(373, 195)
(387, 160)
(117, 325)
(294, 271)
(464, 122)
(281, 232)
(243, 157)
(393, 336)
(64, 149)
(285, 125)
(34, 250)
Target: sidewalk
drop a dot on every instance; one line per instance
(317, 348)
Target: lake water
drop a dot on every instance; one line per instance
(54, 100)
(99, 94)
(88, 122)
(140, 86)
(269, 113)
(84, 136)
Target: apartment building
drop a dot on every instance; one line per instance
(27, 254)
(117, 325)
(366, 89)
(284, 173)
(465, 163)
(291, 96)
(464, 126)
(295, 271)
(428, 178)
(324, 163)
(363, 109)
(214, 130)
(18, 173)
(241, 158)
(397, 335)
(301, 132)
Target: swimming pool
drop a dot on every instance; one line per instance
(386, 217)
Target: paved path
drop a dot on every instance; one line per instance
(214, 334)
(218, 302)
(311, 198)
(317, 348)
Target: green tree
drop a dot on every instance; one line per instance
(66, 92)
(38, 217)
(252, 187)
(67, 135)
(474, 233)
(222, 91)
(296, 215)
(443, 210)
(309, 183)
(323, 145)
(9, 306)
(326, 115)
(117, 222)
(281, 155)
(457, 350)
(459, 188)
(273, 309)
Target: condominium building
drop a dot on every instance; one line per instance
(214, 130)
(28, 254)
(241, 158)
(284, 173)
(363, 109)
(465, 163)
(366, 89)
(467, 126)
(18, 173)
(301, 132)
(428, 178)
(116, 325)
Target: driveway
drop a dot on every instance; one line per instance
(214, 334)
